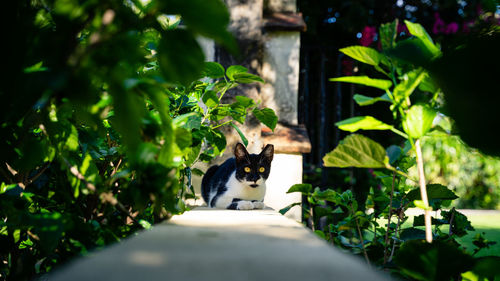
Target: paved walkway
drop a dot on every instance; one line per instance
(221, 245)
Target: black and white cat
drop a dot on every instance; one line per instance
(240, 182)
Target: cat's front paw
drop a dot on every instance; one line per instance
(258, 205)
(245, 205)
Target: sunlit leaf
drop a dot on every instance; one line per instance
(418, 31)
(266, 116)
(362, 123)
(365, 80)
(213, 70)
(363, 54)
(357, 151)
(235, 69)
(364, 100)
(300, 187)
(418, 121)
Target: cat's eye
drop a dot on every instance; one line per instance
(247, 169)
(262, 169)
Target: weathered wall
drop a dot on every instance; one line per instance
(280, 70)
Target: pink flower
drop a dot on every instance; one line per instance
(439, 25)
(368, 35)
(452, 28)
(402, 28)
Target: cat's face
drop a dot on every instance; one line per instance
(253, 169)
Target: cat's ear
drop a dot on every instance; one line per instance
(268, 152)
(241, 153)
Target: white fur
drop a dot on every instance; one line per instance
(243, 191)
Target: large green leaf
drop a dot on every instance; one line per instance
(437, 261)
(362, 123)
(246, 78)
(418, 31)
(213, 70)
(180, 56)
(206, 17)
(488, 267)
(434, 191)
(235, 69)
(418, 121)
(365, 100)
(357, 151)
(411, 50)
(267, 117)
(363, 54)
(210, 98)
(300, 187)
(365, 80)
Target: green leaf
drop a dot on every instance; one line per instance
(460, 223)
(363, 54)
(145, 224)
(242, 136)
(328, 195)
(210, 99)
(418, 31)
(357, 151)
(434, 191)
(246, 102)
(365, 80)
(364, 100)
(487, 267)
(412, 234)
(320, 233)
(287, 208)
(304, 188)
(206, 17)
(213, 70)
(191, 120)
(388, 33)
(235, 69)
(438, 260)
(411, 50)
(161, 103)
(362, 123)
(183, 138)
(180, 56)
(420, 221)
(246, 78)
(394, 152)
(418, 121)
(266, 116)
(408, 84)
(421, 205)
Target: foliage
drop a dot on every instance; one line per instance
(335, 216)
(104, 113)
(470, 174)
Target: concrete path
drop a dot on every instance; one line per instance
(212, 245)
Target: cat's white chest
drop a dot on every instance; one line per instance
(243, 190)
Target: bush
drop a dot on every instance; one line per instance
(104, 112)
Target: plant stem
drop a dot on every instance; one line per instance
(389, 218)
(362, 240)
(399, 133)
(423, 191)
(227, 122)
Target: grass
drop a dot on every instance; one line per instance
(489, 223)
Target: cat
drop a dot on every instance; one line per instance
(240, 182)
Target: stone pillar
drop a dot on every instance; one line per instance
(246, 26)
